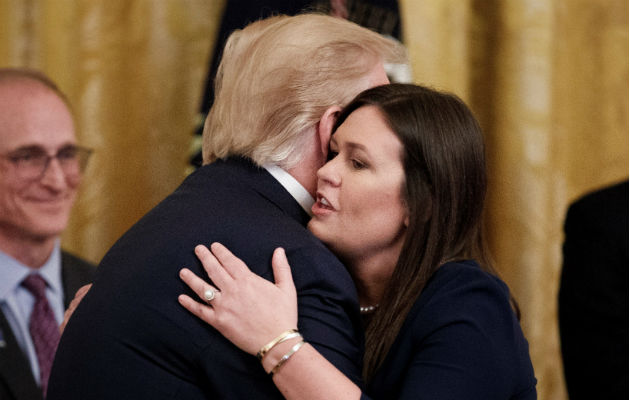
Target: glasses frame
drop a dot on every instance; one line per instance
(21, 164)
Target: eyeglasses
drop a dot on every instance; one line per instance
(31, 162)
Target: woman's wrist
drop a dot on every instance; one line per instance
(284, 336)
(275, 355)
(286, 357)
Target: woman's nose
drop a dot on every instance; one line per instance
(329, 173)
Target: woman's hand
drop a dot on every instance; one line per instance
(247, 309)
(73, 305)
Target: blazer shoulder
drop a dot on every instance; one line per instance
(462, 291)
(75, 272)
(70, 260)
(602, 209)
(464, 319)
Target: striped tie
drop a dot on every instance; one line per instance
(43, 327)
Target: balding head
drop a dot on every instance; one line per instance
(35, 122)
(30, 78)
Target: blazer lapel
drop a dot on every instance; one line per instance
(15, 370)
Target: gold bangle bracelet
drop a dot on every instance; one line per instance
(289, 336)
(286, 357)
(280, 338)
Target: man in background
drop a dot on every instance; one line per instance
(280, 85)
(593, 296)
(40, 170)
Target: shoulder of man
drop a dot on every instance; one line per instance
(75, 272)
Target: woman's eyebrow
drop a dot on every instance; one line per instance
(359, 146)
(350, 145)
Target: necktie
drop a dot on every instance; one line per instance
(43, 327)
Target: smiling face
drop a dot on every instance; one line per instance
(32, 116)
(359, 212)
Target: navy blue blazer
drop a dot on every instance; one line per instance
(131, 339)
(461, 340)
(16, 378)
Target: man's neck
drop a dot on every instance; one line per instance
(312, 160)
(306, 177)
(32, 252)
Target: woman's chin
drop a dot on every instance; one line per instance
(319, 231)
(314, 228)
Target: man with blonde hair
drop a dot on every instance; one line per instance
(279, 88)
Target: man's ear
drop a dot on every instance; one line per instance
(325, 127)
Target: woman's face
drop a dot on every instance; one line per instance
(359, 211)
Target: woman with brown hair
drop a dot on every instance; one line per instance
(400, 203)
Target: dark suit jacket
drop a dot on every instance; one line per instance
(16, 378)
(593, 296)
(461, 340)
(131, 339)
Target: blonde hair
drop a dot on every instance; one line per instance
(278, 76)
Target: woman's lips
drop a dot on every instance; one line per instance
(322, 206)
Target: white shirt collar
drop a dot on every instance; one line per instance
(299, 193)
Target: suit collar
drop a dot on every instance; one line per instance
(244, 172)
(295, 188)
(14, 367)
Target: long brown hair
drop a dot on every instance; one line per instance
(444, 191)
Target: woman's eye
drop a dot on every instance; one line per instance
(356, 164)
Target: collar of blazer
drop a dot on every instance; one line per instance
(244, 171)
(15, 372)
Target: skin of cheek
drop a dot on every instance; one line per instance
(22, 211)
(371, 221)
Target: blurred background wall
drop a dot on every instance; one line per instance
(548, 81)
